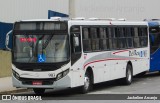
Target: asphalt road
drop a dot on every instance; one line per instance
(108, 92)
(147, 84)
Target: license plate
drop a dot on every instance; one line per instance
(36, 82)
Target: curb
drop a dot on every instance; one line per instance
(15, 91)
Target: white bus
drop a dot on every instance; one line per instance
(58, 53)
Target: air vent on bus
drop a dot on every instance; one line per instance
(59, 18)
(108, 19)
(93, 19)
(122, 19)
(55, 18)
(78, 18)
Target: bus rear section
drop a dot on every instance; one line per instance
(154, 34)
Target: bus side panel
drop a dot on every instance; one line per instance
(97, 62)
(141, 64)
(77, 73)
(119, 69)
(98, 71)
(155, 61)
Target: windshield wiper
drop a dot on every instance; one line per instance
(47, 41)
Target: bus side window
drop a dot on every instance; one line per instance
(129, 37)
(94, 39)
(103, 41)
(121, 38)
(86, 40)
(143, 37)
(114, 34)
(110, 38)
(136, 38)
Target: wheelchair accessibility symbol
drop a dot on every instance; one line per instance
(41, 58)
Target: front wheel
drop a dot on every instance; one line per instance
(39, 90)
(87, 83)
(129, 75)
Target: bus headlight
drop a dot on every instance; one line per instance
(15, 74)
(62, 74)
(65, 72)
(59, 76)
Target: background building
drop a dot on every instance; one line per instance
(13, 10)
(130, 9)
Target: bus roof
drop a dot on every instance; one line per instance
(91, 22)
(103, 22)
(153, 22)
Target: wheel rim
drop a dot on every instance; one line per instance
(86, 82)
(129, 75)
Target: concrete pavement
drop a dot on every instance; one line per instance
(6, 85)
(5, 64)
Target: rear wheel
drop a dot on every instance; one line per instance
(39, 90)
(87, 83)
(129, 75)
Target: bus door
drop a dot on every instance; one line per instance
(154, 49)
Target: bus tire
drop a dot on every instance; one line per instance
(39, 90)
(129, 75)
(87, 83)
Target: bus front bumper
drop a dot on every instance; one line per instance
(63, 83)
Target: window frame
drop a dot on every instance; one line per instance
(112, 34)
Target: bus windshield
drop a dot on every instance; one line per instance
(43, 48)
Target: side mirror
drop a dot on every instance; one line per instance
(7, 40)
(76, 41)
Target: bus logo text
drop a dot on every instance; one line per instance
(138, 53)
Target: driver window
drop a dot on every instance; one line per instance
(75, 39)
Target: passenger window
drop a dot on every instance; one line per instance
(114, 37)
(102, 32)
(93, 32)
(103, 41)
(110, 37)
(143, 37)
(136, 38)
(95, 39)
(121, 39)
(85, 33)
(86, 40)
(129, 37)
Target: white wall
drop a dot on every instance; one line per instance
(13, 10)
(130, 9)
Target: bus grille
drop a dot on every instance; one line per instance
(28, 81)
